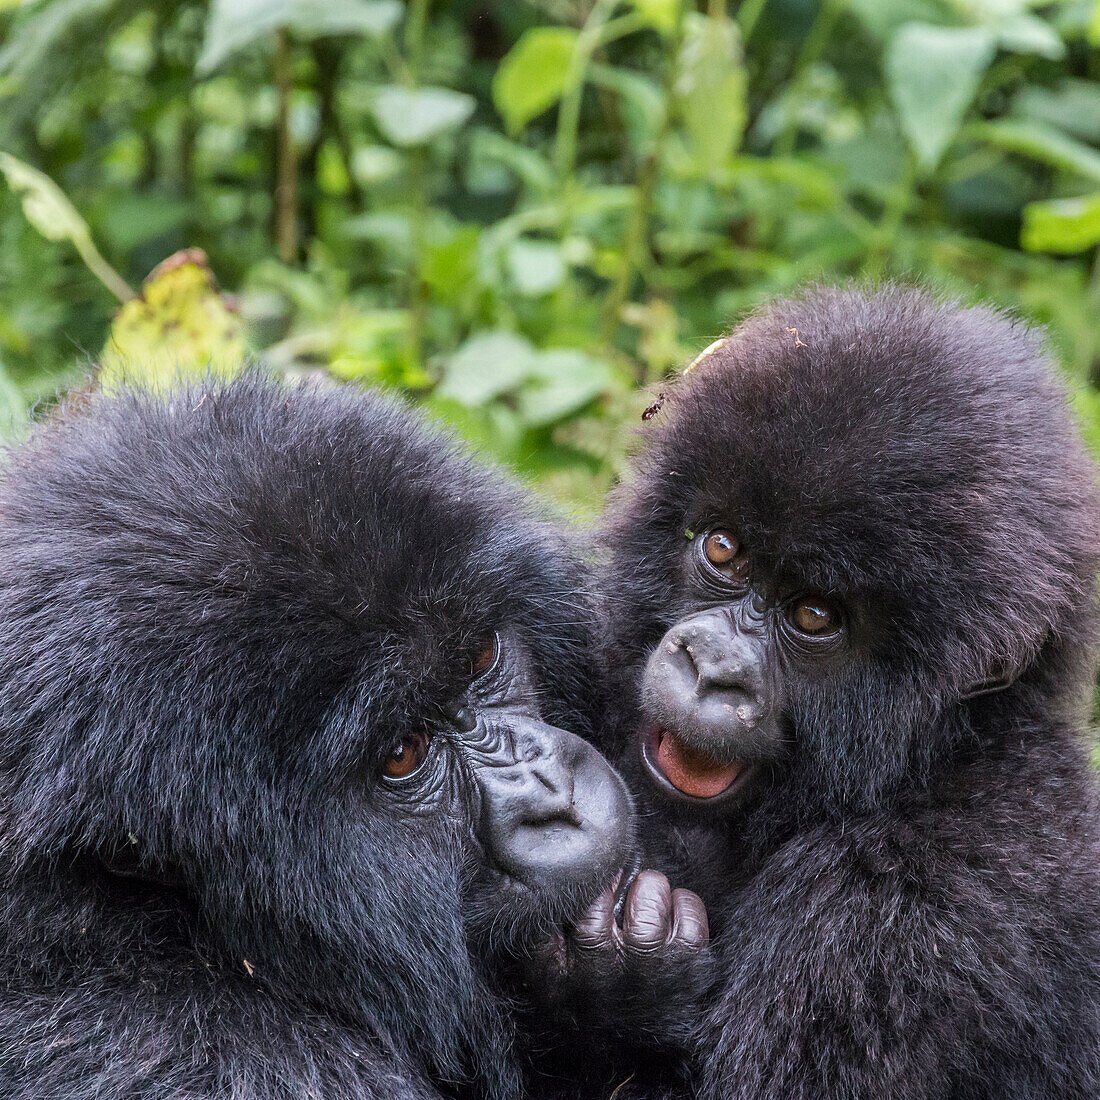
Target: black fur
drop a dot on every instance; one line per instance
(911, 909)
(218, 610)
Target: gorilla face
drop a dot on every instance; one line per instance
(291, 665)
(812, 588)
(715, 689)
(552, 818)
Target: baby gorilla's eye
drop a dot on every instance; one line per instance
(813, 615)
(724, 555)
(483, 657)
(407, 757)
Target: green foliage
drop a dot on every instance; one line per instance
(534, 75)
(526, 215)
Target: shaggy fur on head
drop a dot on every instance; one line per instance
(219, 611)
(912, 909)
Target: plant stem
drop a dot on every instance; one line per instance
(636, 239)
(569, 113)
(816, 39)
(286, 174)
(418, 168)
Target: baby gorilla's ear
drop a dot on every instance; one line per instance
(629, 983)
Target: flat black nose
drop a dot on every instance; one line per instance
(720, 658)
(554, 810)
(709, 676)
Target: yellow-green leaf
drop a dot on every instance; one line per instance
(178, 326)
(50, 212)
(534, 74)
(1062, 225)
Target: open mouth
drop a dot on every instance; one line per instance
(677, 768)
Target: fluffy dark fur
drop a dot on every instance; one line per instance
(911, 908)
(218, 610)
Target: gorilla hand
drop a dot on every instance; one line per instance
(636, 969)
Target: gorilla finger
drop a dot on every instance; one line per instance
(648, 912)
(690, 927)
(595, 929)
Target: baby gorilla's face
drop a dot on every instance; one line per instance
(715, 689)
(551, 818)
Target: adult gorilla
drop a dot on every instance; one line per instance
(277, 669)
(853, 600)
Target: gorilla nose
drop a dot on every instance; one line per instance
(716, 661)
(555, 811)
(708, 676)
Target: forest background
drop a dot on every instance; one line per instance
(526, 214)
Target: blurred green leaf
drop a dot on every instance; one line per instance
(662, 15)
(1025, 33)
(1071, 105)
(536, 267)
(51, 213)
(487, 365)
(1062, 225)
(533, 75)
(1087, 404)
(235, 24)
(711, 88)
(43, 27)
(643, 103)
(1042, 143)
(932, 74)
(414, 116)
(563, 381)
(179, 325)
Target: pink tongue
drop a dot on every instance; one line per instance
(691, 771)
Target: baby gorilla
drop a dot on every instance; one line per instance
(283, 682)
(852, 599)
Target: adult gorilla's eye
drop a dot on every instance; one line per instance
(407, 757)
(813, 615)
(483, 656)
(724, 555)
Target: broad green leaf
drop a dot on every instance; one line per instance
(490, 149)
(1062, 225)
(371, 164)
(414, 116)
(178, 326)
(51, 213)
(1071, 105)
(128, 220)
(711, 89)
(662, 15)
(534, 74)
(563, 381)
(932, 74)
(643, 104)
(1042, 143)
(235, 24)
(487, 365)
(880, 19)
(1029, 34)
(536, 267)
(492, 429)
(42, 29)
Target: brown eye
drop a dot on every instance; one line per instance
(484, 656)
(407, 757)
(724, 555)
(812, 615)
(721, 548)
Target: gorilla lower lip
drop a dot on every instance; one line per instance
(694, 772)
